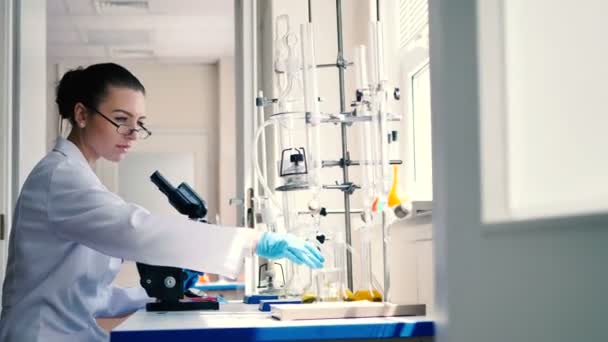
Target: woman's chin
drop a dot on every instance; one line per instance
(116, 157)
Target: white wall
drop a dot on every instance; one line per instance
(535, 280)
(134, 173)
(185, 98)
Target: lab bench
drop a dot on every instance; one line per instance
(244, 322)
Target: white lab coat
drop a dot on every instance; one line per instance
(69, 234)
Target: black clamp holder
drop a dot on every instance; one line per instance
(264, 101)
(397, 94)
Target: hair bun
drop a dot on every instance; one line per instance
(68, 92)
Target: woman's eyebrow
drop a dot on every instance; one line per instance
(127, 112)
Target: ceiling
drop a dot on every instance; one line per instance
(199, 31)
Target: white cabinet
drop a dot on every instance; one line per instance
(412, 263)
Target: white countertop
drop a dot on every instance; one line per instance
(247, 319)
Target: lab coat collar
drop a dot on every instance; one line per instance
(68, 149)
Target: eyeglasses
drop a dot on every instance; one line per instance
(142, 132)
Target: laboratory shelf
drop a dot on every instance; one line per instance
(244, 322)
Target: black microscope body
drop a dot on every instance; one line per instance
(163, 282)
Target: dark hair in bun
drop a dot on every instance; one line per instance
(89, 86)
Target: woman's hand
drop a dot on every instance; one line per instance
(276, 246)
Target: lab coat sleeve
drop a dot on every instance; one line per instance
(81, 209)
(119, 301)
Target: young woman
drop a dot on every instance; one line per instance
(70, 233)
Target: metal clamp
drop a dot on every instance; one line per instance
(348, 187)
(342, 64)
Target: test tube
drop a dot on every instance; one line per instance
(380, 108)
(361, 67)
(373, 56)
(379, 51)
(365, 131)
(311, 107)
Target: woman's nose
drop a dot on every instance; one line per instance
(132, 135)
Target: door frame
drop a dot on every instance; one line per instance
(8, 90)
(246, 80)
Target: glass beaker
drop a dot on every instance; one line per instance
(369, 291)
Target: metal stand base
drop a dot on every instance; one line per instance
(255, 299)
(359, 309)
(182, 306)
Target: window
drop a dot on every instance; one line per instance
(413, 20)
(416, 101)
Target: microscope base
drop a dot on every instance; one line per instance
(182, 306)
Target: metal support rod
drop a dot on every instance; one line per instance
(309, 11)
(352, 211)
(345, 154)
(326, 65)
(333, 212)
(330, 163)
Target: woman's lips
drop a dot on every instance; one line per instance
(123, 148)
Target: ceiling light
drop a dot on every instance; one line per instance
(131, 53)
(122, 6)
(117, 37)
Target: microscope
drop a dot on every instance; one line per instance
(166, 283)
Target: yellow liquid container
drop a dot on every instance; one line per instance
(372, 296)
(309, 298)
(395, 195)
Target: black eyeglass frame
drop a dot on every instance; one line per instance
(131, 130)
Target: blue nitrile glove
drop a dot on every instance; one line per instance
(190, 278)
(277, 246)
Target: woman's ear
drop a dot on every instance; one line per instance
(80, 115)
